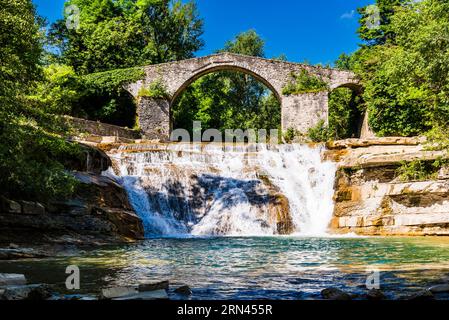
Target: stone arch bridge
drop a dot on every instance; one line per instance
(299, 112)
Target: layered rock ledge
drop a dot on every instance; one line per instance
(369, 197)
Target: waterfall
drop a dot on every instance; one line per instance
(214, 189)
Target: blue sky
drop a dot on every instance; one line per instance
(317, 31)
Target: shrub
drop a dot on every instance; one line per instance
(420, 170)
(155, 90)
(113, 80)
(290, 135)
(319, 133)
(104, 97)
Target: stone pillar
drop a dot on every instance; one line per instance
(154, 118)
(304, 111)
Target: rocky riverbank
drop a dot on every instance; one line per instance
(370, 197)
(16, 287)
(99, 212)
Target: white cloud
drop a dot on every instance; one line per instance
(348, 15)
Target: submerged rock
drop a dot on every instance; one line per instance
(27, 292)
(16, 254)
(145, 291)
(184, 290)
(147, 295)
(439, 288)
(422, 295)
(117, 292)
(335, 294)
(151, 286)
(12, 279)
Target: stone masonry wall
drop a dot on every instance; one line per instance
(304, 111)
(154, 118)
(101, 129)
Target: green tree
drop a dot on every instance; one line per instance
(31, 153)
(126, 33)
(59, 90)
(373, 31)
(404, 69)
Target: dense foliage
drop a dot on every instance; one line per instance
(345, 114)
(229, 99)
(31, 151)
(420, 170)
(405, 68)
(155, 90)
(73, 77)
(101, 53)
(103, 97)
(126, 33)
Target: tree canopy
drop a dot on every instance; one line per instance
(117, 34)
(31, 150)
(404, 67)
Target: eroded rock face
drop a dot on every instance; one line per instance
(99, 211)
(370, 200)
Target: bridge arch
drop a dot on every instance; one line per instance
(225, 67)
(299, 112)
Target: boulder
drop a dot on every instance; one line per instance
(184, 290)
(439, 288)
(10, 206)
(335, 294)
(27, 292)
(136, 292)
(147, 295)
(32, 208)
(422, 295)
(99, 210)
(12, 279)
(155, 285)
(118, 292)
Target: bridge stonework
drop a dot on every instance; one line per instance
(299, 112)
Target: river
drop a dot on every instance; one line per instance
(281, 267)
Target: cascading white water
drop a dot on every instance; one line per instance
(180, 189)
(307, 182)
